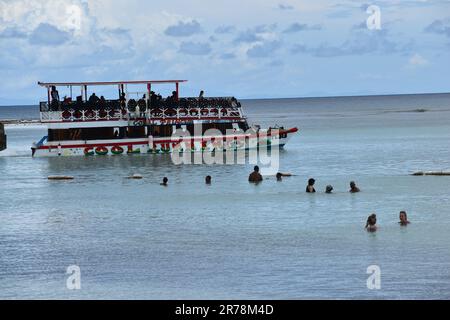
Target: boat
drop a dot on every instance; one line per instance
(143, 122)
(2, 137)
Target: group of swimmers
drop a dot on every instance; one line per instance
(256, 177)
(371, 225)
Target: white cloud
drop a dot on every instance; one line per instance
(417, 61)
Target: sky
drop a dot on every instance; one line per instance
(245, 48)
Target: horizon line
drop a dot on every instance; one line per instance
(304, 97)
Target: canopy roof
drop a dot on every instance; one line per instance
(80, 84)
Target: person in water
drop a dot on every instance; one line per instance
(404, 219)
(310, 187)
(255, 176)
(371, 224)
(354, 188)
(329, 189)
(208, 180)
(165, 182)
(279, 177)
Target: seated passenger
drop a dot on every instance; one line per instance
(93, 99)
(255, 176)
(310, 187)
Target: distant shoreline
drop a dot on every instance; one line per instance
(304, 97)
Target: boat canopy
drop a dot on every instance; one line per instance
(107, 83)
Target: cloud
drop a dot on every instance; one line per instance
(263, 50)
(48, 35)
(417, 61)
(359, 43)
(282, 6)
(195, 48)
(255, 34)
(225, 29)
(297, 27)
(11, 32)
(184, 29)
(441, 27)
(227, 56)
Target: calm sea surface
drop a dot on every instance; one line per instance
(137, 240)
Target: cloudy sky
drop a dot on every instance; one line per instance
(245, 48)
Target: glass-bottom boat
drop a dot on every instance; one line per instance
(145, 123)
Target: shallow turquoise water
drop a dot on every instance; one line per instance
(135, 239)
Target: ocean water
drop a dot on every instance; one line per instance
(133, 239)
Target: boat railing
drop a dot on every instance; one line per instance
(186, 108)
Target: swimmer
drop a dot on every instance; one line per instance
(310, 187)
(279, 177)
(404, 219)
(208, 180)
(354, 188)
(165, 182)
(255, 176)
(329, 189)
(371, 225)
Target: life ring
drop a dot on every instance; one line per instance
(116, 150)
(66, 115)
(89, 114)
(103, 114)
(101, 151)
(165, 148)
(77, 114)
(193, 112)
(131, 151)
(88, 151)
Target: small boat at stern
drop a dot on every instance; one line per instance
(139, 121)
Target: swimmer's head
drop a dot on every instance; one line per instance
(329, 189)
(311, 182)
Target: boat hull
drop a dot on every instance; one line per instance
(158, 145)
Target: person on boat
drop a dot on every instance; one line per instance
(279, 177)
(165, 182)
(371, 224)
(310, 187)
(404, 219)
(123, 100)
(329, 189)
(201, 97)
(102, 101)
(208, 180)
(93, 99)
(354, 188)
(54, 94)
(255, 176)
(153, 99)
